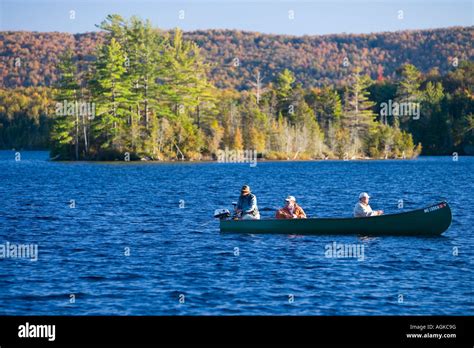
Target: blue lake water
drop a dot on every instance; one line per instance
(179, 263)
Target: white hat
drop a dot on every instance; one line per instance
(290, 198)
(364, 195)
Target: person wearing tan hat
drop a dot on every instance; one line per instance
(291, 210)
(246, 207)
(363, 209)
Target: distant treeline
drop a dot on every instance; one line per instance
(146, 94)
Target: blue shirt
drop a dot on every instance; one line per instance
(248, 204)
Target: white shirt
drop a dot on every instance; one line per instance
(363, 210)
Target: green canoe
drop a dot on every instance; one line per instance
(430, 221)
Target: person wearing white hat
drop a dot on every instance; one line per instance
(363, 209)
(291, 210)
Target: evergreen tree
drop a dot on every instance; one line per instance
(409, 84)
(110, 92)
(283, 92)
(358, 115)
(65, 130)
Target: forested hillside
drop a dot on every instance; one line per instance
(30, 58)
(134, 91)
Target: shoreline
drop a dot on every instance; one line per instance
(252, 164)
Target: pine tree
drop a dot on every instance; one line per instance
(65, 130)
(283, 92)
(110, 93)
(409, 84)
(358, 115)
(185, 78)
(327, 107)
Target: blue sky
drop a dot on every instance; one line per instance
(267, 16)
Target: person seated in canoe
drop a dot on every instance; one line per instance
(246, 207)
(291, 210)
(363, 209)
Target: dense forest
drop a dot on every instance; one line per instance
(30, 58)
(136, 91)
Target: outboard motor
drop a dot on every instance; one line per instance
(222, 214)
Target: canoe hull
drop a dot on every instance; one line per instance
(430, 221)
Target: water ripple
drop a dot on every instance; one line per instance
(141, 240)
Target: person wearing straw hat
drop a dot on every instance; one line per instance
(363, 209)
(291, 210)
(246, 207)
